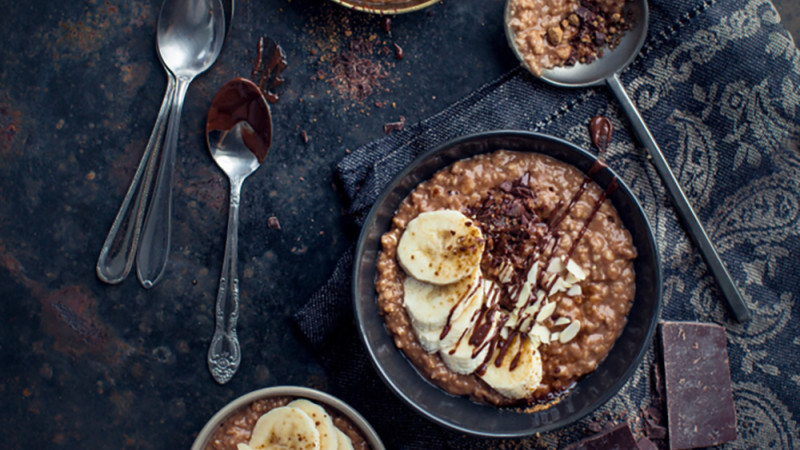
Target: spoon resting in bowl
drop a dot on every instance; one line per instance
(239, 133)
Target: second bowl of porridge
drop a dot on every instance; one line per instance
(287, 417)
(506, 283)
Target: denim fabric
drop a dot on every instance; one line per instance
(718, 83)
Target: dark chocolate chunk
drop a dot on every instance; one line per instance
(700, 409)
(619, 437)
(646, 444)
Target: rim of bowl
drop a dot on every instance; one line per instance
(348, 411)
(379, 8)
(612, 390)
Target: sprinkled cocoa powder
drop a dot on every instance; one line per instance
(354, 74)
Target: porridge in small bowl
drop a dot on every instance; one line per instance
(287, 417)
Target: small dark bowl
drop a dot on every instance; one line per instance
(461, 413)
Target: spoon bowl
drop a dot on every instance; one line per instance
(239, 133)
(606, 70)
(189, 37)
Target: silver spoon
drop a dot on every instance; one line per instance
(239, 133)
(606, 70)
(190, 36)
(116, 255)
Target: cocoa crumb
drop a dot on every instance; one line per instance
(304, 136)
(273, 223)
(354, 74)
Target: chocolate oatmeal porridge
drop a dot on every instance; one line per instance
(506, 277)
(551, 33)
(265, 421)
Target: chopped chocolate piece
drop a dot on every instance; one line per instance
(398, 52)
(654, 430)
(700, 409)
(646, 444)
(386, 24)
(273, 223)
(394, 126)
(619, 437)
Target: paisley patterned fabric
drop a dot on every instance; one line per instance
(718, 83)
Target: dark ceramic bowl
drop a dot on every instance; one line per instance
(319, 397)
(461, 413)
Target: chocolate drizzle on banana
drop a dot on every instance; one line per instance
(481, 284)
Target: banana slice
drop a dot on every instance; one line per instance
(428, 339)
(440, 247)
(285, 427)
(472, 349)
(465, 318)
(322, 420)
(429, 305)
(522, 380)
(345, 443)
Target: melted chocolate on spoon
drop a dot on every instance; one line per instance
(241, 100)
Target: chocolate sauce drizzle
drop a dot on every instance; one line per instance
(503, 209)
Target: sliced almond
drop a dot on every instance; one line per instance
(554, 336)
(575, 290)
(575, 269)
(546, 311)
(525, 326)
(558, 286)
(506, 272)
(524, 295)
(562, 321)
(541, 332)
(533, 273)
(570, 332)
(556, 265)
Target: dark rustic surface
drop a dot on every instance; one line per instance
(87, 365)
(90, 365)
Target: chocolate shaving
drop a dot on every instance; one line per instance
(509, 222)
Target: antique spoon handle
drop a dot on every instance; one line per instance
(224, 354)
(682, 206)
(119, 248)
(151, 258)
